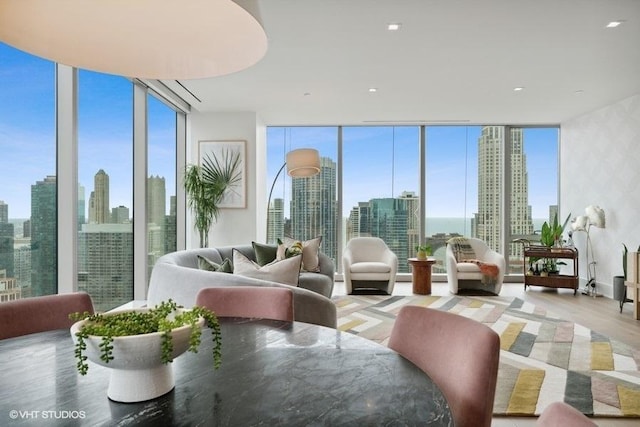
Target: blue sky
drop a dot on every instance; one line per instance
(27, 131)
(379, 161)
(382, 162)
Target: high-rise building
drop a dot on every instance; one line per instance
(487, 224)
(4, 212)
(44, 253)
(394, 221)
(99, 212)
(81, 207)
(105, 264)
(275, 226)
(6, 240)
(156, 200)
(314, 207)
(171, 227)
(6, 248)
(120, 215)
(358, 224)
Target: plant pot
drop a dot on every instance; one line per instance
(421, 255)
(619, 289)
(137, 371)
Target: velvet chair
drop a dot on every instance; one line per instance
(44, 313)
(367, 262)
(460, 355)
(560, 414)
(248, 301)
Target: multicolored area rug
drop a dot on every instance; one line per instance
(543, 358)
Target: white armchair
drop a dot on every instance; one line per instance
(367, 262)
(467, 275)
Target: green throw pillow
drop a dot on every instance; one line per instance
(264, 253)
(208, 265)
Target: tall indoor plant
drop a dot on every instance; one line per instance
(206, 185)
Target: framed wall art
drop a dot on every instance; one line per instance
(231, 157)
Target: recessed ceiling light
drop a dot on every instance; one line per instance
(393, 26)
(614, 24)
(373, 89)
(579, 92)
(518, 89)
(306, 94)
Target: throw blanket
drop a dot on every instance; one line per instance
(489, 271)
(465, 253)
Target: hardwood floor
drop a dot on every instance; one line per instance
(598, 314)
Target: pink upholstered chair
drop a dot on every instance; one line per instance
(560, 414)
(38, 314)
(460, 355)
(248, 301)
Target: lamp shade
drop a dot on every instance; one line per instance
(579, 224)
(596, 216)
(303, 162)
(168, 39)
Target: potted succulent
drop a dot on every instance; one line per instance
(138, 345)
(423, 251)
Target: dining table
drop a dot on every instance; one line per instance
(273, 373)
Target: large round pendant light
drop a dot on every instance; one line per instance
(153, 39)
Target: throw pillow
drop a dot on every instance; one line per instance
(208, 265)
(462, 250)
(285, 271)
(310, 249)
(264, 253)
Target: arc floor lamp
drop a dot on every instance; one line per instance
(300, 163)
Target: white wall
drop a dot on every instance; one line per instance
(600, 155)
(234, 226)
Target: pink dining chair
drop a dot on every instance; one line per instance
(460, 355)
(248, 301)
(39, 314)
(560, 414)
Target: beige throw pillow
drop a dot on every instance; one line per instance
(310, 249)
(285, 271)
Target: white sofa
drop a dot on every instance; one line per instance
(176, 276)
(466, 275)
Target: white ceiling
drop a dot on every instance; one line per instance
(452, 61)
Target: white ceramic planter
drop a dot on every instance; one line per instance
(137, 371)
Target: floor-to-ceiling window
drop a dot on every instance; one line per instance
(161, 183)
(451, 186)
(303, 208)
(534, 186)
(28, 242)
(467, 169)
(381, 186)
(105, 172)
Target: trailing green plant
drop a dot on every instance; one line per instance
(162, 318)
(206, 185)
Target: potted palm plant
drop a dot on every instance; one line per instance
(206, 185)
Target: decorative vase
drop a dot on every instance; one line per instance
(137, 371)
(421, 255)
(619, 289)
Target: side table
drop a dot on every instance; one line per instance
(421, 275)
